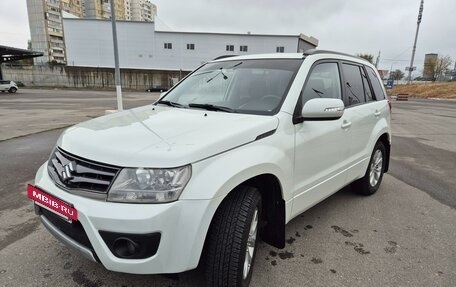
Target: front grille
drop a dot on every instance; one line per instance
(73, 172)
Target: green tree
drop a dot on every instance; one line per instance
(397, 75)
(368, 57)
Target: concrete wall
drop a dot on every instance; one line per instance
(84, 77)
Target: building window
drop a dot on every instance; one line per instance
(168, 45)
(190, 46)
(280, 49)
(243, 48)
(230, 48)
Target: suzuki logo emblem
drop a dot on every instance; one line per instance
(67, 170)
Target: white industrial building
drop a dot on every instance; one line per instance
(89, 44)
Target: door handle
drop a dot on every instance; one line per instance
(377, 113)
(346, 125)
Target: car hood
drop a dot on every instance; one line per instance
(157, 136)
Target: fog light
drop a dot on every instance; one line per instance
(125, 247)
(131, 246)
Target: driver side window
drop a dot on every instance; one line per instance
(323, 82)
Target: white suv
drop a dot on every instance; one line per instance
(8, 86)
(229, 155)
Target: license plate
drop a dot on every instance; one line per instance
(52, 203)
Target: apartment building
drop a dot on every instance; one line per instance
(46, 28)
(127, 10)
(73, 6)
(101, 9)
(142, 10)
(46, 25)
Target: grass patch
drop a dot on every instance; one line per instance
(446, 90)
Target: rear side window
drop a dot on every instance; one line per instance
(354, 88)
(376, 85)
(367, 89)
(323, 82)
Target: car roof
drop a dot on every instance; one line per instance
(259, 56)
(310, 52)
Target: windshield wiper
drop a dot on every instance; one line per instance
(211, 107)
(220, 72)
(318, 92)
(171, 104)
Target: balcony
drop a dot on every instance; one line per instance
(53, 32)
(51, 4)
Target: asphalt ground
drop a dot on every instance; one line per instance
(404, 235)
(34, 110)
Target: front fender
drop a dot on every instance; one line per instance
(218, 175)
(213, 178)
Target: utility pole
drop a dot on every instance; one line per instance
(116, 58)
(411, 68)
(378, 59)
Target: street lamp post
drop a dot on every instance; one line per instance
(391, 71)
(411, 68)
(116, 58)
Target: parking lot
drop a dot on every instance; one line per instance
(404, 235)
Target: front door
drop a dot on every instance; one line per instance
(4, 85)
(320, 145)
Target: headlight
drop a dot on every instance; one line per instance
(146, 185)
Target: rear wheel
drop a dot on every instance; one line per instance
(232, 239)
(370, 183)
(12, 90)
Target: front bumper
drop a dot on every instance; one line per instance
(67, 240)
(183, 225)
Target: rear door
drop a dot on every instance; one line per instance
(363, 112)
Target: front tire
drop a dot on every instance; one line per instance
(12, 90)
(232, 239)
(371, 181)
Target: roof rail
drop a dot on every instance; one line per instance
(223, 57)
(317, 51)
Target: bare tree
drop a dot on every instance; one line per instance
(436, 68)
(368, 57)
(442, 66)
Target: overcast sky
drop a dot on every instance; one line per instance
(352, 26)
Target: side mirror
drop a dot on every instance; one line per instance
(322, 109)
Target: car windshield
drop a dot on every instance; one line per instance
(247, 86)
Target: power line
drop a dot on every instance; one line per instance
(401, 53)
(398, 60)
